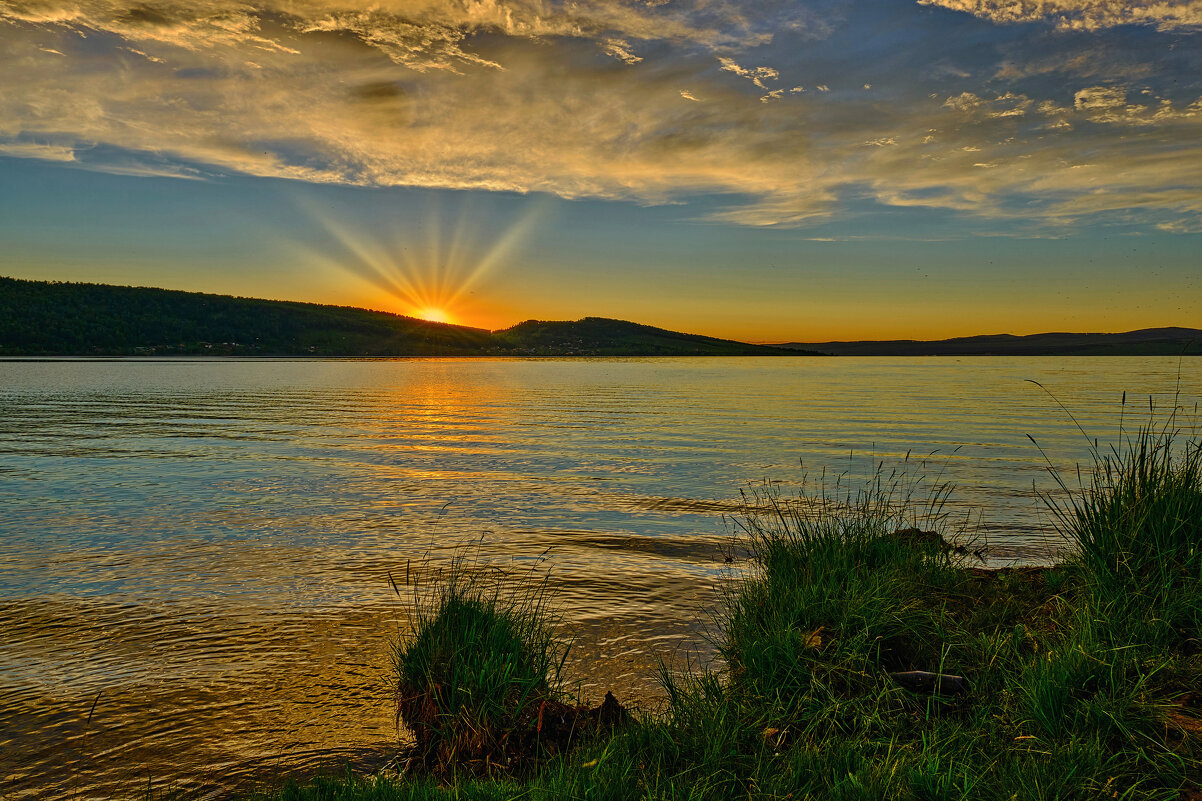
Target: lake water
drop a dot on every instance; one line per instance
(198, 553)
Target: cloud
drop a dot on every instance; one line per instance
(1089, 15)
(421, 34)
(620, 50)
(1009, 104)
(1099, 98)
(965, 101)
(36, 150)
(583, 99)
(1096, 60)
(1108, 105)
(1188, 225)
(758, 76)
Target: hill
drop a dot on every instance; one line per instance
(599, 336)
(43, 318)
(40, 318)
(1144, 342)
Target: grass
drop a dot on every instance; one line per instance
(1084, 680)
(475, 676)
(1138, 531)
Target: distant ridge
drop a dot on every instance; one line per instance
(41, 318)
(1144, 342)
(600, 336)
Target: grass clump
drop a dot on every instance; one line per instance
(477, 671)
(1137, 527)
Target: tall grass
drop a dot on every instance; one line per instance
(1126, 668)
(1137, 530)
(479, 663)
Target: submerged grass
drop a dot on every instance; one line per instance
(1080, 681)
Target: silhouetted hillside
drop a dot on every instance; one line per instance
(1144, 342)
(600, 336)
(39, 318)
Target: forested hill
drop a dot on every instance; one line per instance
(599, 336)
(39, 318)
(1144, 342)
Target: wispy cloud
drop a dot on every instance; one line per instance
(1087, 15)
(35, 150)
(584, 99)
(620, 50)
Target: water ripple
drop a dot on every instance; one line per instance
(205, 550)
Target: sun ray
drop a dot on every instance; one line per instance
(502, 246)
(426, 269)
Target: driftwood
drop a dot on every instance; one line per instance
(922, 681)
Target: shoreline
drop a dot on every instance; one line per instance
(861, 658)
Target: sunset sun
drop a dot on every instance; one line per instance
(433, 314)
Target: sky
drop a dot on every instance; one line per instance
(763, 170)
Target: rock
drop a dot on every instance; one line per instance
(558, 725)
(540, 729)
(610, 714)
(930, 539)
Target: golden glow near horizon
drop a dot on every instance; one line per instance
(430, 275)
(433, 314)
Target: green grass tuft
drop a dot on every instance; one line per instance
(472, 677)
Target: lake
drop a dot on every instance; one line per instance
(197, 558)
